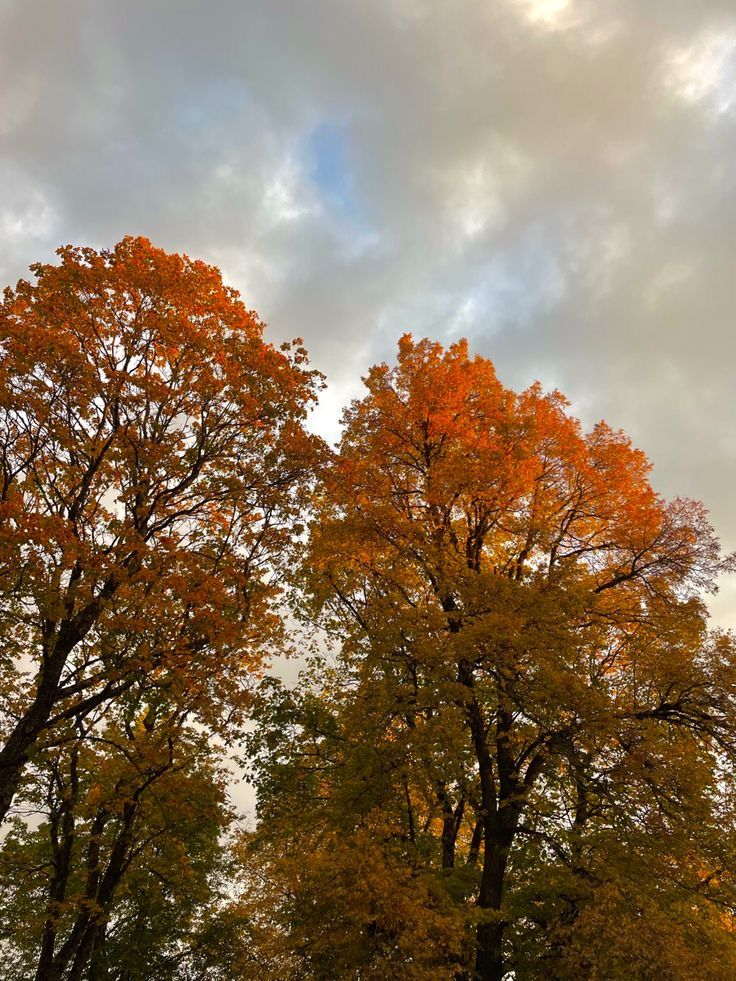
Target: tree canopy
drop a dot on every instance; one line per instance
(511, 755)
(152, 462)
(521, 758)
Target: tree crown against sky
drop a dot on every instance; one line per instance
(153, 465)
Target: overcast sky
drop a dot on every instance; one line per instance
(554, 179)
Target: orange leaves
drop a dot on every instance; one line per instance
(155, 463)
(440, 460)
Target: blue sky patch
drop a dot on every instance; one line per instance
(327, 164)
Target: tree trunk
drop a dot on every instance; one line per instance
(62, 829)
(14, 754)
(89, 942)
(59, 640)
(489, 965)
(451, 820)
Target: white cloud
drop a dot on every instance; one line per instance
(283, 198)
(551, 13)
(704, 70)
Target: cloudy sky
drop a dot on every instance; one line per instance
(554, 179)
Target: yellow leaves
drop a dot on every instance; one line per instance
(516, 609)
(94, 796)
(396, 919)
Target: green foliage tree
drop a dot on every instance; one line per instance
(115, 875)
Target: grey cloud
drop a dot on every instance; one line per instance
(552, 179)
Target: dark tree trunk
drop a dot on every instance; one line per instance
(475, 842)
(14, 754)
(489, 963)
(58, 641)
(62, 828)
(451, 820)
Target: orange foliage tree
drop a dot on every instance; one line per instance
(524, 678)
(153, 462)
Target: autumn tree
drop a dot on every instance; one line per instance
(153, 464)
(345, 861)
(527, 712)
(123, 868)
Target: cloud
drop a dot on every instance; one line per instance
(551, 178)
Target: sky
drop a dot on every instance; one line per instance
(553, 179)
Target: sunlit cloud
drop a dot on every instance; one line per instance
(550, 13)
(705, 69)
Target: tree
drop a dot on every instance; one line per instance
(345, 866)
(153, 464)
(525, 675)
(125, 869)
